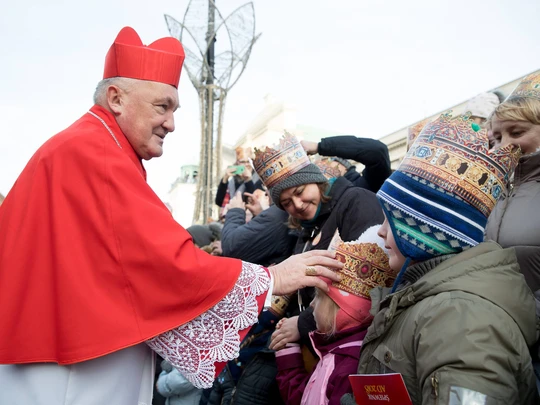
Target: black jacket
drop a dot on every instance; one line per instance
(264, 240)
(352, 210)
(373, 154)
(251, 377)
(256, 386)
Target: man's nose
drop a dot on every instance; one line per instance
(169, 122)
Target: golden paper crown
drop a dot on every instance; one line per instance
(414, 131)
(453, 154)
(281, 161)
(366, 267)
(528, 87)
(327, 169)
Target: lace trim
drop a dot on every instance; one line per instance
(195, 347)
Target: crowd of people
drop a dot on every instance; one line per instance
(431, 270)
(453, 314)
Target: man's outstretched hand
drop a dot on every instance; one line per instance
(290, 275)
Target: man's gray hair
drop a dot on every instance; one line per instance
(100, 95)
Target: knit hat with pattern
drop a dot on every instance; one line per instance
(437, 202)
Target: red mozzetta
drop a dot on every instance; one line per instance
(99, 263)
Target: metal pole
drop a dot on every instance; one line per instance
(210, 40)
(197, 213)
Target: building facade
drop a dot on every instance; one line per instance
(397, 141)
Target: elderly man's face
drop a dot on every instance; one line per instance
(146, 116)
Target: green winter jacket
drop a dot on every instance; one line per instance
(460, 332)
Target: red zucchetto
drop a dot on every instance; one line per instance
(161, 61)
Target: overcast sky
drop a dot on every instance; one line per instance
(363, 67)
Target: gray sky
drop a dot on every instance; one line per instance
(364, 67)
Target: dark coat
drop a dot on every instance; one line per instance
(264, 240)
(373, 154)
(464, 325)
(257, 384)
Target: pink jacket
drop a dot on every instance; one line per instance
(329, 381)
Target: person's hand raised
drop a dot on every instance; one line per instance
(236, 202)
(228, 173)
(311, 148)
(254, 205)
(301, 271)
(286, 332)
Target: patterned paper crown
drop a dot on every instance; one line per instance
(281, 161)
(366, 267)
(438, 200)
(327, 168)
(414, 131)
(454, 156)
(528, 87)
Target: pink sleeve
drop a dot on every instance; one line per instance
(199, 349)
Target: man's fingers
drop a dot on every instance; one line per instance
(318, 283)
(324, 261)
(329, 274)
(324, 253)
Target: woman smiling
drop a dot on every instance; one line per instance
(317, 207)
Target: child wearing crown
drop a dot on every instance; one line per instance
(460, 318)
(342, 317)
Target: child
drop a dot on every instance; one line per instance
(460, 318)
(342, 318)
(174, 386)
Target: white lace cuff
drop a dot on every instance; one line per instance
(194, 347)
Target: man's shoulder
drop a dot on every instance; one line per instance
(81, 137)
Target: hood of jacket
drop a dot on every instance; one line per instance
(486, 271)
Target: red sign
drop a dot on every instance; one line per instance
(371, 389)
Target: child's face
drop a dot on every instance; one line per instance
(323, 312)
(395, 258)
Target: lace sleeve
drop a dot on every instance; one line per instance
(194, 347)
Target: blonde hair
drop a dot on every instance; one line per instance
(518, 109)
(294, 223)
(328, 309)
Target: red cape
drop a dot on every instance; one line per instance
(91, 261)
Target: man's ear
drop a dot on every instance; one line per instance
(115, 99)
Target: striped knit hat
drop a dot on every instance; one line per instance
(439, 199)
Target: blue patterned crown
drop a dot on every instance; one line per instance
(438, 200)
(275, 164)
